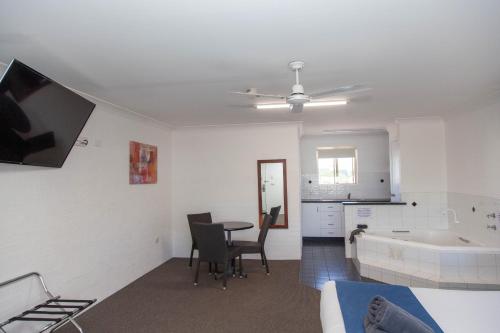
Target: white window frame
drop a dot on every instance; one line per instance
(350, 152)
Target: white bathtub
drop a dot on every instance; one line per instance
(442, 238)
(427, 258)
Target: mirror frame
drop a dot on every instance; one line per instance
(285, 196)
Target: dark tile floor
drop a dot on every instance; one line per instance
(324, 259)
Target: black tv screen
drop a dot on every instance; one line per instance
(40, 120)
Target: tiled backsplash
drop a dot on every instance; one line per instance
(472, 214)
(422, 211)
(425, 210)
(429, 212)
(369, 185)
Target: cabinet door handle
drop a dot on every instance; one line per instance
(330, 215)
(330, 206)
(317, 209)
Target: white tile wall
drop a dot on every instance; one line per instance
(369, 186)
(473, 223)
(429, 213)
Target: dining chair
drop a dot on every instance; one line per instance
(197, 218)
(247, 247)
(212, 247)
(275, 213)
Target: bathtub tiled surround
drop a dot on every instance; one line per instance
(423, 262)
(429, 212)
(369, 185)
(422, 265)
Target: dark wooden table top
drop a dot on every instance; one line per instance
(236, 225)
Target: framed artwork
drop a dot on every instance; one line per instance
(143, 163)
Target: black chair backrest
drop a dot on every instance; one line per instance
(198, 218)
(211, 241)
(275, 213)
(264, 228)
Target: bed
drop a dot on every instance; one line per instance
(454, 311)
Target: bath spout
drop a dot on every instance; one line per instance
(454, 214)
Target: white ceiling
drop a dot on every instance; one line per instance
(176, 60)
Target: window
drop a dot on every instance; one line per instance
(337, 165)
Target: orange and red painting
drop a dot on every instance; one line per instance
(143, 163)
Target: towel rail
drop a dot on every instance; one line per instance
(61, 310)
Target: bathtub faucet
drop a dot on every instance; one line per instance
(491, 226)
(454, 214)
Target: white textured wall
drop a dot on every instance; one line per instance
(423, 155)
(473, 146)
(83, 226)
(373, 165)
(215, 170)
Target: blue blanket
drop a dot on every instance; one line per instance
(354, 298)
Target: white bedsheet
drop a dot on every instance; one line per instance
(455, 311)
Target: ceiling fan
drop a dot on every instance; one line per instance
(297, 98)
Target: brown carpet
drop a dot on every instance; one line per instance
(165, 300)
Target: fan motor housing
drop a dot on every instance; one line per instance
(297, 98)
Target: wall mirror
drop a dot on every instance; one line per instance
(273, 190)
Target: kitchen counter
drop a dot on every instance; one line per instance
(325, 217)
(355, 201)
(368, 202)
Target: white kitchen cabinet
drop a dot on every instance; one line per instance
(310, 220)
(322, 220)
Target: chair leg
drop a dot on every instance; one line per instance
(240, 263)
(224, 276)
(197, 272)
(265, 261)
(262, 257)
(209, 268)
(233, 264)
(191, 256)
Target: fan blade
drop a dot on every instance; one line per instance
(257, 94)
(340, 90)
(296, 108)
(240, 106)
(361, 99)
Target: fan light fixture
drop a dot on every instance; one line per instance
(312, 104)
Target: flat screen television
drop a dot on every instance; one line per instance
(40, 120)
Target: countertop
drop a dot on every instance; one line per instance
(356, 201)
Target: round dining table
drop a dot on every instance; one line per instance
(230, 226)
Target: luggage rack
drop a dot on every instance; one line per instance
(56, 311)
